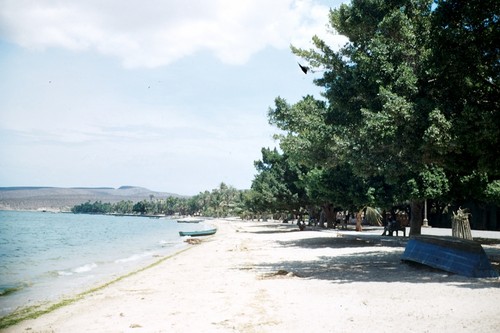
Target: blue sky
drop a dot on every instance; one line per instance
(172, 95)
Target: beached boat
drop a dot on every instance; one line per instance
(451, 254)
(190, 220)
(198, 232)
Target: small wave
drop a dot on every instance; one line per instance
(7, 291)
(10, 289)
(166, 243)
(133, 257)
(54, 274)
(85, 268)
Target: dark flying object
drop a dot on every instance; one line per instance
(304, 69)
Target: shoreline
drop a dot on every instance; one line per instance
(268, 277)
(44, 307)
(75, 254)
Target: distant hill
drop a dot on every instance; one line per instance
(62, 199)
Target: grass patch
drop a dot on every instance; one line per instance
(35, 311)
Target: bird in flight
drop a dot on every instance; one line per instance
(307, 69)
(304, 69)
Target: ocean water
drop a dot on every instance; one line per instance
(46, 256)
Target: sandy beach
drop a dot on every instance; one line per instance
(270, 277)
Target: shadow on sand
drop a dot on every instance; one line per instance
(270, 228)
(364, 258)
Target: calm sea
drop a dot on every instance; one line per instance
(44, 256)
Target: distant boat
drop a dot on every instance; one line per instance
(198, 232)
(190, 220)
(451, 254)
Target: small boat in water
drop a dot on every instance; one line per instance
(451, 254)
(207, 232)
(190, 220)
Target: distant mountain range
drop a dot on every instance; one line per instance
(62, 199)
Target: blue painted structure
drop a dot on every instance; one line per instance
(456, 255)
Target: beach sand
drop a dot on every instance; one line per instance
(270, 277)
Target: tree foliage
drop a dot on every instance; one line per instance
(220, 202)
(465, 75)
(278, 187)
(410, 110)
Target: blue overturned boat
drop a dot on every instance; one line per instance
(451, 254)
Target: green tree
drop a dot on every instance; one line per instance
(313, 137)
(307, 137)
(278, 184)
(379, 105)
(412, 104)
(464, 79)
(140, 207)
(92, 208)
(123, 207)
(171, 205)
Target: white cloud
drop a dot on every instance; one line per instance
(79, 119)
(157, 33)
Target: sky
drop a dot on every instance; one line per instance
(171, 95)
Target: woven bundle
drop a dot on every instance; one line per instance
(460, 225)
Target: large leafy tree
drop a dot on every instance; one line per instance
(306, 137)
(277, 186)
(413, 97)
(412, 105)
(379, 104)
(307, 140)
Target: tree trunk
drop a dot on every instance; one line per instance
(322, 218)
(416, 219)
(330, 215)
